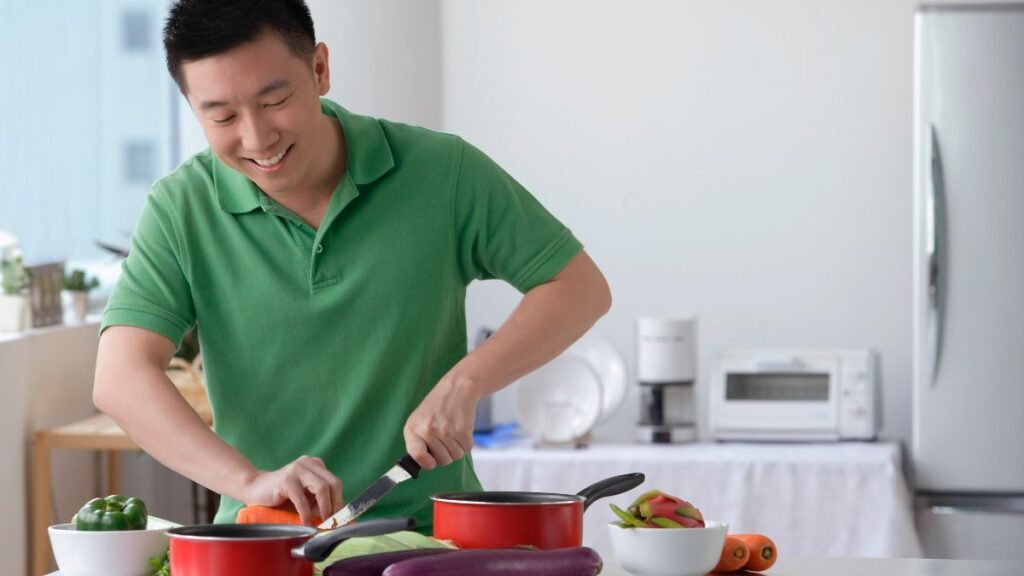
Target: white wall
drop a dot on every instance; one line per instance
(385, 57)
(747, 162)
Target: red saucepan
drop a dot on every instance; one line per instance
(506, 519)
(250, 549)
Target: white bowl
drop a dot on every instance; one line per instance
(668, 551)
(106, 553)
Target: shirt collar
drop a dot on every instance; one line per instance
(369, 154)
(369, 158)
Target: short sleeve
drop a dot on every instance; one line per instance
(153, 292)
(501, 230)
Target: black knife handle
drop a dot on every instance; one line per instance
(410, 465)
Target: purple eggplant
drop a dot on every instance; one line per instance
(374, 564)
(579, 561)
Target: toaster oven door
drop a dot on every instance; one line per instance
(794, 398)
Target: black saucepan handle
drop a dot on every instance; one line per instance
(318, 548)
(610, 487)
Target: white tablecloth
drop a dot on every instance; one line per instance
(814, 500)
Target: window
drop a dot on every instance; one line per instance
(89, 122)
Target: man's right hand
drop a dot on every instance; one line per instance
(305, 483)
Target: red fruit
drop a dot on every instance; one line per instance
(672, 511)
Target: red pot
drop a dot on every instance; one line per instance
(505, 519)
(248, 549)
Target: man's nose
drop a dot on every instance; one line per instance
(257, 135)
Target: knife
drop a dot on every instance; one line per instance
(403, 470)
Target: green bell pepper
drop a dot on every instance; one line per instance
(114, 512)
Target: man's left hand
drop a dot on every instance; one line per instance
(440, 430)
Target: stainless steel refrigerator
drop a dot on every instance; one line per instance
(968, 436)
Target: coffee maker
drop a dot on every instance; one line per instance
(666, 372)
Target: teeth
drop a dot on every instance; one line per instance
(271, 161)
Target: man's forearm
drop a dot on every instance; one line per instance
(145, 403)
(548, 319)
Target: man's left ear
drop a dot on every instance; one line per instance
(321, 69)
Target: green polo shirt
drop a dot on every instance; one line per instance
(323, 341)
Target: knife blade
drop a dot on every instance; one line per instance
(403, 470)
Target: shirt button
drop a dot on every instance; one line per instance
(319, 248)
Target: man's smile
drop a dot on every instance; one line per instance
(273, 163)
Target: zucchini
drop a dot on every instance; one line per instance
(579, 561)
(374, 564)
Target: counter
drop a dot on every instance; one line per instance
(830, 499)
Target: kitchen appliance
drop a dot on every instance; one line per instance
(666, 352)
(247, 549)
(968, 305)
(483, 421)
(403, 470)
(793, 395)
(507, 519)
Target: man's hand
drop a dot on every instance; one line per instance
(306, 483)
(549, 318)
(440, 430)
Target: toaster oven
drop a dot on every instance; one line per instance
(812, 395)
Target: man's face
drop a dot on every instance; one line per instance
(260, 110)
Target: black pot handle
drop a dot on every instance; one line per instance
(318, 548)
(610, 487)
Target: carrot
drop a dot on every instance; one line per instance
(267, 515)
(734, 555)
(762, 551)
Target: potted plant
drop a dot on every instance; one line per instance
(78, 285)
(15, 308)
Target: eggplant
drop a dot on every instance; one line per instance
(578, 561)
(374, 564)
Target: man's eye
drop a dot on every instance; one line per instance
(278, 103)
(224, 120)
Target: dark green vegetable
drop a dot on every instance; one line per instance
(579, 561)
(374, 564)
(114, 512)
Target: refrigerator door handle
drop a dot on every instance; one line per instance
(937, 248)
(974, 510)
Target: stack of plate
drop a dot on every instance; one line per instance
(563, 400)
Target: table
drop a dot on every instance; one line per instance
(829, 499)
(100, 433)
(862, 566)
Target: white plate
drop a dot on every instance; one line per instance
(560, 401)
(610, 369)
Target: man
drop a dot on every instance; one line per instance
(325, 256)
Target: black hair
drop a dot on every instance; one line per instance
(196, 29)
